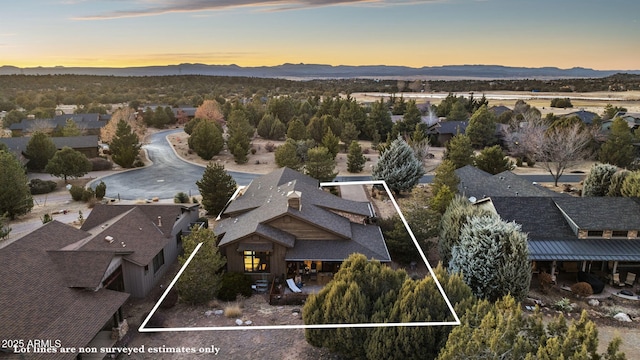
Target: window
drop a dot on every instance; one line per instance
(158, 261)
(256, 261)
(619, 233)
(595, 233)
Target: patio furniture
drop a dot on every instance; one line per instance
(631, 279)
(616, 280)
(292, 286)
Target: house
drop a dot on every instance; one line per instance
(587, 117)
(87, 145)
(45, 297)
(144, 238)
(598, 234)
(445, 130)
(89, 123)
(284, 223)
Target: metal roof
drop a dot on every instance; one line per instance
(585, 249)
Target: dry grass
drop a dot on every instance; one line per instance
(232, 311)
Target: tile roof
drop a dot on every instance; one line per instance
(36, 301)
(602, 213)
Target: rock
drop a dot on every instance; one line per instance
(218, 312)
(238, 322)
(622, 317)
(248, 322)
(208, 313)
(295, 314)
(594, 302)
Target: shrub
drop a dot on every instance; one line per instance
(88, 194)
(170, 300)
(101, 190)
(253, 151)
(234, 284)
(37, 186)
(181, 198)
(545, 282)
(76, 192)
(582, 289)
(138, 163)
(100, 164)
(232, 311)
(563, 304)
(270, 147)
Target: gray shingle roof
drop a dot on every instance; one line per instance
(480, 184)
(36, 301)
(602, 213)
(539, 216)
(18, 145)
(81, 269)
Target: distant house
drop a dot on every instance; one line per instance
(498, 110)
(144, 238)
(587, 117)
(445, 130)
(89, 123)
(51, 293)
(284, 223)
(87, 145)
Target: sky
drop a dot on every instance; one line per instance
(598, 34)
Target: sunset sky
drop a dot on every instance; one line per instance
(598, 34)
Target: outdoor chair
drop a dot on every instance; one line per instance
(616, 280)
(631, 279)
(292, 286)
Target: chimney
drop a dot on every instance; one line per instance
(293, 199)
(159, 221)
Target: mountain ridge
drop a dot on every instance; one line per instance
(323, 71)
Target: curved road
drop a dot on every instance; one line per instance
(169, 174)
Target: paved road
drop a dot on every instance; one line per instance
(169, 175)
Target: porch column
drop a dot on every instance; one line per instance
(584, 265)
(615, 267)
(553, 271)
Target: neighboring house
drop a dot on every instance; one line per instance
(87, 145)
(587, 117)
(445, 130)
(577, 233)
(283, 223)
(89, 123)
(145, 239)
(498, 110)
(480, 184)
(632, 120)
(50, 293)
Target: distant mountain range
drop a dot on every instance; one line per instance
(316, 71)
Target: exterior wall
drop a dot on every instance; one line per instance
(235, 261)
(301, 230)
(133, 276)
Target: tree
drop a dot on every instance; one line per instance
(501, 330)
(68, 163)
(349, 133)
(493, 257)
(5, 229)
(315, 129)
(101, 190)
(561, 103)
(598, 182)
(40, 149)
(15, 197)
(401, 247)
(399, 167)
(618, 149)
(125, 146)
(615, 188)
(331, 142)
(286, 155)
(216, 188)
(71, 129)
(210, 110)
(411, 117)
(321, 164)
(610, 111)
(459, 211)
(379, 121)
(482, 128)
(297, 130)
(557, 149)
(355, 159)
(459, 150)
(492, 160)
(240, 134)
(631, 185)
(128, 115)
(201, 279)
(445, 176)
(206, 140)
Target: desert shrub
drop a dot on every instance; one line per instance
(232, 311)
(563, 304)
(253, 151)
(37, 186)
(545, 282)
(76, 192)
(100, 164)
(181, 198)
(270, 147)
(138, 163)
(170, 300)
(46, 218)
(234, 284)
(101, 190)
(88, 194)
(582, 289)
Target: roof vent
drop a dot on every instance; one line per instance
(159, 221)
(108, 239)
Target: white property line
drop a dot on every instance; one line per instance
(456, 322)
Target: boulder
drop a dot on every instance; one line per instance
(622, 317)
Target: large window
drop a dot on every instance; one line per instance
(158, 261)
(256, 261)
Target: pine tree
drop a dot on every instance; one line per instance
(286, 155)
(206, 140)
(297, 130)
(320, 164)
(125, 145)
(459, 150)
(615, 188)
(598, 181)
(482, 128)
(201, 279)
(493, 257)
(240, 134)
(445, 175)
(331, 142)
(355, 159)
(68, 163)
(618, 149)
(631, 185)
(216, 188)
(15, 197)
(492, 160)
(399, 167)
(40, 149)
